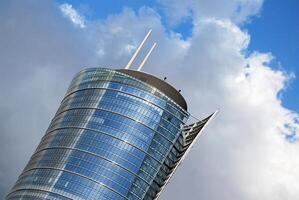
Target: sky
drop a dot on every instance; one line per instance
(238, 56)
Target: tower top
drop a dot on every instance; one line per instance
(161, 85)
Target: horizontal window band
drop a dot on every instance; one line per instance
(100, 132)
(91, 108)
(48, 142)
(103, 88)
(39, 190)
(75, 83)
(77, 174)
(82, 150)
(122, 104)
(90, 153)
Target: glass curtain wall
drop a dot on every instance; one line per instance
(108, 140)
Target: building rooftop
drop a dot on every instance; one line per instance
(161, 85)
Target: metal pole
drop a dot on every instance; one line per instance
(146, 57)
(138, 49)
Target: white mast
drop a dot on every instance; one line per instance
(146, 57)
(138, 49)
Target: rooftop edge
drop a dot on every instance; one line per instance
(161, 85)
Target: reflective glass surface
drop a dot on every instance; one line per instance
(109, 139)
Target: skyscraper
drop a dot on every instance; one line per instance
(118, 134)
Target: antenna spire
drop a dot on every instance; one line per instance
(146, 57)
(138, 49)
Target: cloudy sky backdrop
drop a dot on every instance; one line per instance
(249, 152)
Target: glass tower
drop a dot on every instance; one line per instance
(117, 135)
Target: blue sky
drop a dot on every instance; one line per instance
(97, 10)
(280, 18)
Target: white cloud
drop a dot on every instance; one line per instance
(239, 11)
(242, 155)
(73, 15)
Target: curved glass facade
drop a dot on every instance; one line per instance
(112, 137)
